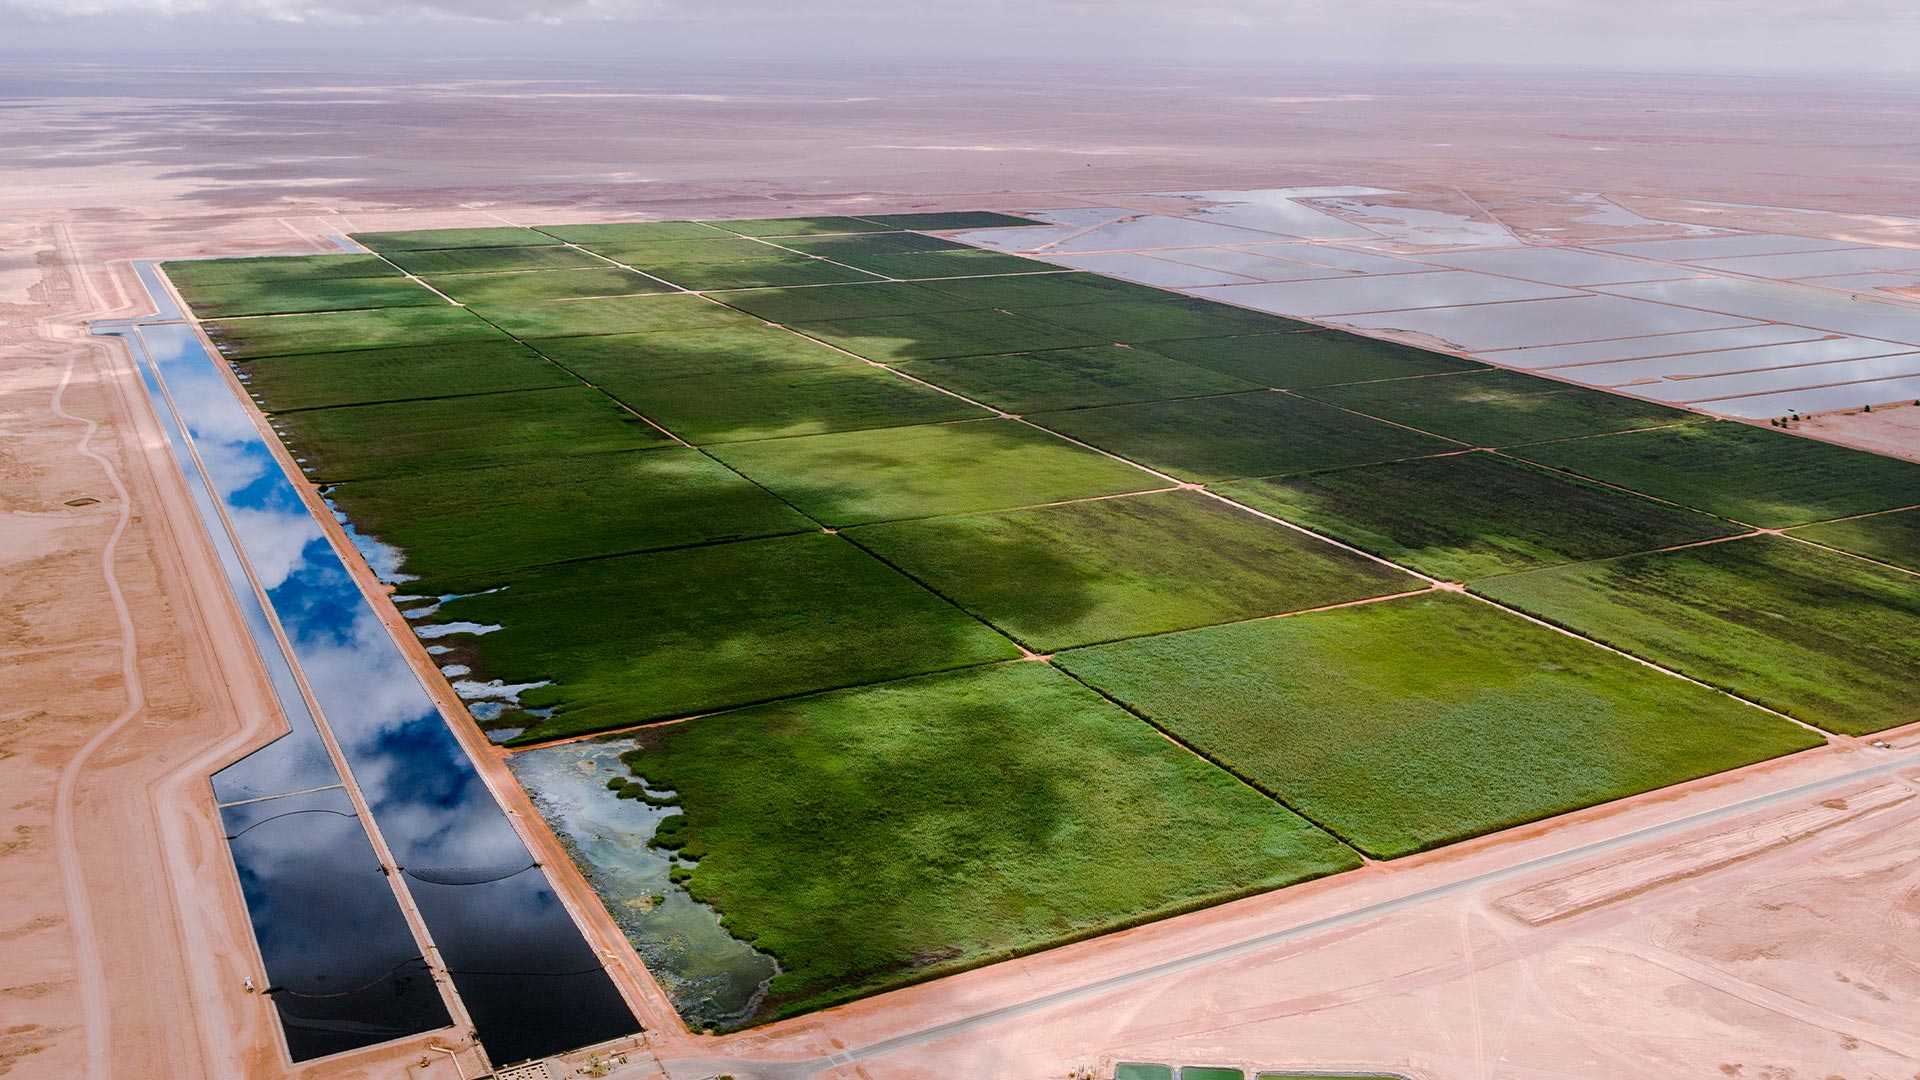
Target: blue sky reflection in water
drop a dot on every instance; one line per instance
(526, 975)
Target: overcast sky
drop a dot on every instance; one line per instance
(1879, 36)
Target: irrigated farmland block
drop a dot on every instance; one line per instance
(1406, 724)
(1499, 408)
(1072, 378)
(343, 331)
(296, 297)
(433, 239)
(1316, 358)
(317, 380)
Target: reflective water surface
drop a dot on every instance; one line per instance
(527, 977)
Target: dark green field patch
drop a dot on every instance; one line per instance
(728, 263)
(937, 221)
(1315, 358)
(186, 273)
(740, 347)
(533, 286)
(317, 380)
(796, 226)
(1048, 290)
(882, 836)
(1072, 378)
(631, 232)
(433, 239)
(300, 297)
(1158, 320)
(860, 300)
(1467, 516)
(363, 441)
(1500, 408)
(343, 331)
(1891, 538)
(1751, 474)
(644, 637)
(910, 255)
(841, 394)
(893, 339)
(466, 523)
(1206, 440)
(860, 476)
(1059, 576)
(1832, 640)
(642, 314)
(494, 260)
(1408, 724)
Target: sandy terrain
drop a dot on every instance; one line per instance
(133, 679)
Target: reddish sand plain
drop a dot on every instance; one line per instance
(131, 676)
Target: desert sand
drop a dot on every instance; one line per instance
(132, 677)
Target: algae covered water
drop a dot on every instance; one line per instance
(714, 979)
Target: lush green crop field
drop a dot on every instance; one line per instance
(1829, 639)
(1205, 440)
(737, 347)
(797, 226)
(631, 232)
(1751, 474)
(1059, 576)
(740, 406)
(296, 297)
(728, 263)
(1072, 378)
(857, 301)
(1159, 320)
(1134, 1070)
(861, 476)
(1051, 290)
(316, 380)
(536, 285)
(911, 255)
(1891, 538)
(952, 219)
(894, 339)
(876, 837)
(433, 239)
(463, 524)
(608, 315)
(1467, 516)
(1295, 359)
(494, 260)
(460, 432)
(344, 331)
(188, 273)
(643, 637)
(1499, 408)
(1412, 723)
(1210, 1072)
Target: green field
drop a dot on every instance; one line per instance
(1204, 440)
(641, 314)
(1466, 516)
(861, 300)
(459, 432)
(911, 255)
(1499, 408)
(434, 239)
(632, 232)
(743, 406)
(464, 524)
(1290, 360)
(948, 219)
(894, 339)
(1829, 639)
(671, 633)
(881, 836)
(298, 297)
(862, 476)
(493, 260)
(1050, 290)
(1060, 576)
(1413, 723)
(191, 273)
(536, 285)
(343, 331)
(1751, 474)
(727, 263)
(797, 226)
(318, 380)
(1160, 320)
(1890, 538)
(1071, 378)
